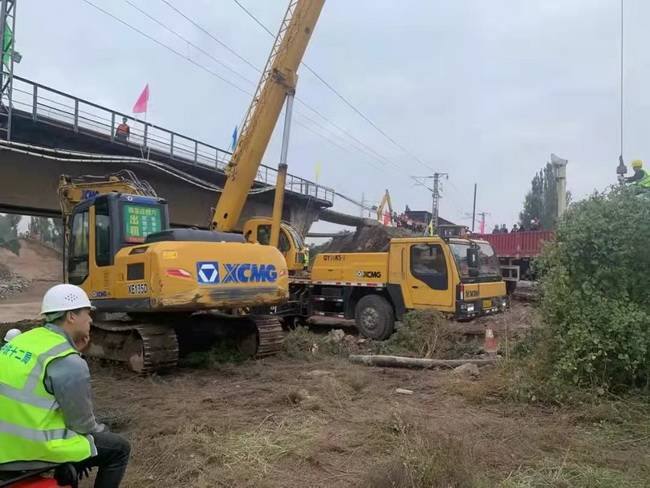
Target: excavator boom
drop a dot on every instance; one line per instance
(278, 79)
(73, 190)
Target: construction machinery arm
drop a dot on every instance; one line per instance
(73, 190)
(278, 79)
(384, 201)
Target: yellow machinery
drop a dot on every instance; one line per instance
(153, 285)
(459, 277)
(380, 210)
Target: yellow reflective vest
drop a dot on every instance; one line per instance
(32, 427)
(645, 181)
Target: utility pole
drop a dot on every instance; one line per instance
(435, 194)
(483, 214)
(363, 202)
(474, 209)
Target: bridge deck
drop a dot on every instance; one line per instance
(35, 104)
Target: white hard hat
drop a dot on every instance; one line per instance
(62, 298)
(11, 333)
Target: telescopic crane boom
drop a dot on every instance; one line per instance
(278, 79)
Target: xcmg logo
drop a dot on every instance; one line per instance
(86, 194)
(368, 274)
(208, 273)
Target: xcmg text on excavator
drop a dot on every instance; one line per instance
(153, 285)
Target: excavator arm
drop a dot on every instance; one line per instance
(278, 79)
(384, 201)
(73, 190)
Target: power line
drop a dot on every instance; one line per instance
(382, 159)
(333, 90)
(223, 79)
(167, 47)
(210, 35)
(168, 29)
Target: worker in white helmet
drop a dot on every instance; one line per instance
(46, 397)
(11, 333)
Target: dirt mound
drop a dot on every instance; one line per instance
(367, 239)
(11, 283)
(35, 261)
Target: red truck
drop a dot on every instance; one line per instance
(516, 251)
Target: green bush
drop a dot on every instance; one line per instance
(426, 333)
(596, 293)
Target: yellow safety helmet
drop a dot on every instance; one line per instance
(637, 163)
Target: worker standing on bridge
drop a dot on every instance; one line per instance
(641, 177)
(123, 131)
(47, 413)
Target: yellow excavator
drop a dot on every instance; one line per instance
(380, 210)
(154, 285)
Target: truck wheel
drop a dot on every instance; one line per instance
(374, 317)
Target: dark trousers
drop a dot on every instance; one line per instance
(112, 457)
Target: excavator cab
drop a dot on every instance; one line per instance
(258, 231)
(100, 227)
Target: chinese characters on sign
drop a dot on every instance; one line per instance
(140, 221)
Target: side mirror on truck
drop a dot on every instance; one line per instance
(472, 257)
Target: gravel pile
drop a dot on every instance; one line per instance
(11, 283)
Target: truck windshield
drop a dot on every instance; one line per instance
(489, 269)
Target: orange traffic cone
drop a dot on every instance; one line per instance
(491, 346)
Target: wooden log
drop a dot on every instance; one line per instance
(403, 362)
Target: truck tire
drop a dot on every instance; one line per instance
(374, 317)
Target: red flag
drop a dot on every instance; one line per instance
(141, 105)
(386, 218)
(482, 227)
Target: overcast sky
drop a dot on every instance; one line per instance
(484, 91)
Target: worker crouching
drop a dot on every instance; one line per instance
(46, 411)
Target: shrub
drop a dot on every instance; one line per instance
(596, 292)
(426, 333)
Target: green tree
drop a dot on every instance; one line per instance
(541, 200)
(47, 230)
(9, 232)
(595, 292)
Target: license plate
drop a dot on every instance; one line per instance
(487, 303)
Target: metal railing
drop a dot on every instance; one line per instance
(55, 107)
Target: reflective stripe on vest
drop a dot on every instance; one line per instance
(645, 181)
(32, 427)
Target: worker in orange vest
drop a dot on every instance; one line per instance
(123, 131)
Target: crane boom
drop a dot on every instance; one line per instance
(278, 79)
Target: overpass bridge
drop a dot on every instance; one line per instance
(184, 171)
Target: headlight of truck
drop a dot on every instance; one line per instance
(470, 307)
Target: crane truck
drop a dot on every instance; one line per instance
(150, 282)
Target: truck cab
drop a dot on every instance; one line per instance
(258, 231)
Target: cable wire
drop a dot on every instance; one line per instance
(622, 71)
(166, 47)
(333, 90)
(379, 157)
(173, 32)
(376, 156)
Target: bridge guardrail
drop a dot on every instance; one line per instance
(55, 107)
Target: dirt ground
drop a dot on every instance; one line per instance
(324, 422)
(35, 262)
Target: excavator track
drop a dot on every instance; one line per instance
(145, 348)
(270, 336)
